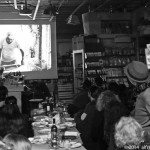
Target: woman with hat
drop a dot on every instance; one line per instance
(138, 75)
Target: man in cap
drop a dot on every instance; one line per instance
(10, 51)
(138, 75)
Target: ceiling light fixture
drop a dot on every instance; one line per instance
(73, 20)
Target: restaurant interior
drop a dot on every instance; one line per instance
(60, 45)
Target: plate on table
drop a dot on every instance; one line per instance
(68, 144)
(39, 124)
(62, 126)
(69, 119)
(44, 131)
(71, 133)
(38, 140)
(41, 118)
(70, 124)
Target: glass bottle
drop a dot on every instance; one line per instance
(54, 134)
(47, 107)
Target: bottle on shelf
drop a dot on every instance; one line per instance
(51, 103)
(54, 134)
(47, 106)
(53, 100)
(40, 106)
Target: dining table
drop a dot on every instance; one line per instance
(67, 131)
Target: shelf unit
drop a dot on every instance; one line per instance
(114, 46)
(65, 78)
(104, 58)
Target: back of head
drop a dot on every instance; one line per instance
(18, 141)
(114, 87)
(86, 84)
(98, 81)
(10, 100)
(3, 93)
(11, 108)
(128, 132)
(93, 91)
(114, 110)
(104, 98)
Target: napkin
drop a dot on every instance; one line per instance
(71, 133)
(57, 118)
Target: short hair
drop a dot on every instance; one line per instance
(104, 98)
(10, 35)
(128, 132)
(19, 142)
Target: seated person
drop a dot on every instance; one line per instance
(12, 121)
(80, 100)
(18, 142)
(84, 119)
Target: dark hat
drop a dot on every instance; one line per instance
(137, 71)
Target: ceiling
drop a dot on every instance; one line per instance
(74, 7)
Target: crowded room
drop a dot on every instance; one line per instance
(74, 75)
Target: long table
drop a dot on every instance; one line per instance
(46, 146)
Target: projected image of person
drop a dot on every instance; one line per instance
(10, 52)
(28, 48)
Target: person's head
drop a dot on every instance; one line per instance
(98, 81)
(128, 132)
(13, 116)
(10, 100)
(114, 87)
(137, 73)
(86, 84)
(93, 92)
(11, 108)
(19, 142)
(9, 38)
(104, 98)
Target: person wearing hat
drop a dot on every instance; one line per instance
(138, 75)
